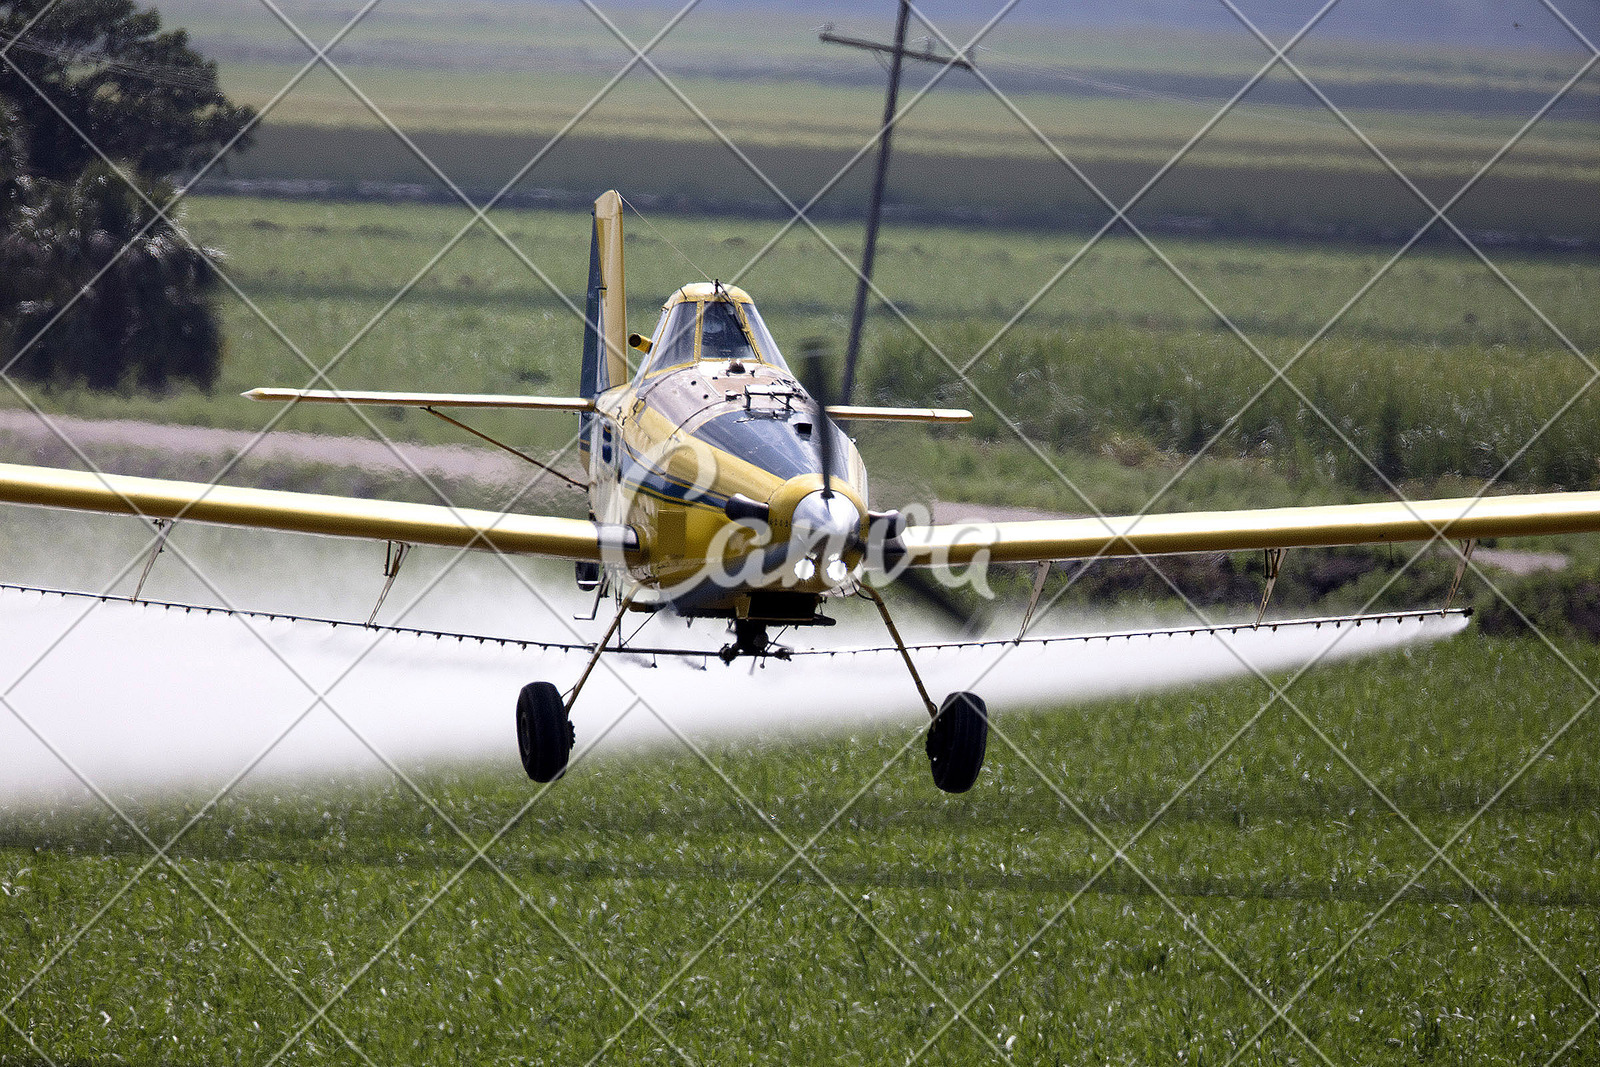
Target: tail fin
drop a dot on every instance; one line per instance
(605, 311)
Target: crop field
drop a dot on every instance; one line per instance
(786, 901)
(1473, 372)
(481, 93)
(1394, 861)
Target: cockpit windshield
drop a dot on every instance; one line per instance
(674, 343)
(722, 336)
(729, 333)
(769, 348)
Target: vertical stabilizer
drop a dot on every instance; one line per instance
(606, 309)
(592, 380)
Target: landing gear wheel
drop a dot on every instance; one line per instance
(957, 741)
(544, 732)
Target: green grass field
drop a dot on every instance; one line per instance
(671, 883)
(485, 88)
(1454, 343)
(1279, 855)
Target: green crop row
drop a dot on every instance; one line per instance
(1260, 873)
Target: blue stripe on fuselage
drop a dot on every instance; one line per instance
(639, 475)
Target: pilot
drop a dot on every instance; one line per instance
(721, 337)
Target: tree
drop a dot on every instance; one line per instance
(147, 321)
(152, 104)
(141, 95)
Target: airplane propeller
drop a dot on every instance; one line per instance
(813, 361)
(814, 352)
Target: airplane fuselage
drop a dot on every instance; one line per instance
(710, 416)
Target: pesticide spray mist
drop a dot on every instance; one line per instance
(139, 700)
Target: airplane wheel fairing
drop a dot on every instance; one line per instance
(544, 732)
(957, 741)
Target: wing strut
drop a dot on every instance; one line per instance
(394, 554)
(436, 413)
(163, 527)
(1274, 565)
(1033, 598)
(1461, 569)
(883, 609)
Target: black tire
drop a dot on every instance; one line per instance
(544, 732)
(957, 741)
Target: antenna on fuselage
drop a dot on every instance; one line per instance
(814, 364)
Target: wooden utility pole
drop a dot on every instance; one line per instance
(897, 53)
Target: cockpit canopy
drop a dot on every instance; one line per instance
(711, 322)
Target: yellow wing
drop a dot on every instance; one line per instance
(270, 509)
(1230, 531)
(850, 411)
(424, 400)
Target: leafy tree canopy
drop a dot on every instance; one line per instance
(141, 94)
(96, 288)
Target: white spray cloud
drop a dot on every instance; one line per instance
(140, 700)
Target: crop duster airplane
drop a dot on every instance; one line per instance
(720, 488)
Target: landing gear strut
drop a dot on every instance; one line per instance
(958, 737)
(544, 721)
